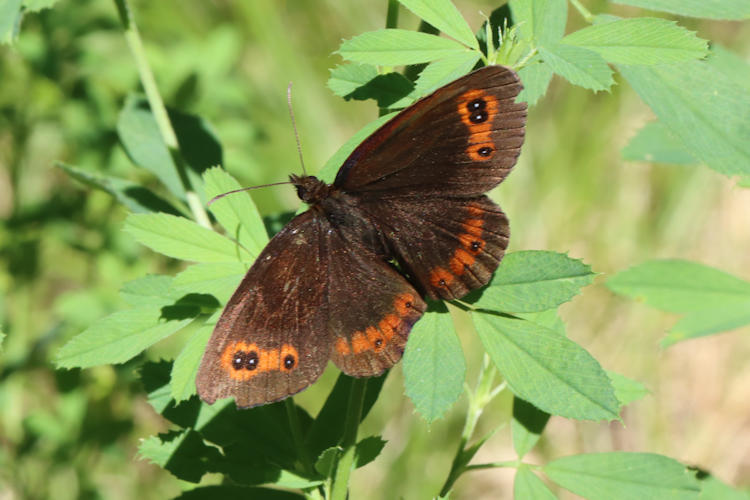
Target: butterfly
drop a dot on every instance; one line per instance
(406, 218)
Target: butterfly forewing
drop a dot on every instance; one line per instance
(272, 339)
(461, 140)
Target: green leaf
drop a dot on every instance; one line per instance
(527, 485)
(702, 107)
(135, 197)
(10, 20)
(184, 454)
(346, 78)
(620, 475)
(185, 366)
(444, 16)
(627, 390)
(548, 319)
(328, 172)
(326, 460)
(118, 337)
(219, 279)
(711, 300)
(152, 289)
(368, 450)
(527, 426)
(642, 41)
(236, 212)
(655, 143)
(711, 9)
(154, 377)
(389, 90)
(531, 281)
(37, 5)
(434, 364)
(730, 65)
(395, 47)
(579, 66)
(714, 489)
(540, 21)
(442, 72)
(549, 371)
(535, 77)
(183, 239)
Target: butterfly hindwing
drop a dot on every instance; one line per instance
(272, 339)
(373, 309)
(463, 139)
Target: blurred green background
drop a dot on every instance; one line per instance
(74, 434)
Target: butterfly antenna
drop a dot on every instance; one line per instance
(294, 126)
(222, 195)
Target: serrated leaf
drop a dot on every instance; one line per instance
(655, 143)
(703, 108)
(346, 78)
(549, 371)
(183, 239)
(368, 450)
(118, 337)
(10, 20)
(441, 72)
(396, 47)
(710, 9)
(527, 485)
(620, 475)
(711, 300)
(641, 41)
(327, 459)
(388, 90)
(532, 281)
(185, 366)
(527, 425)
(219, 279)
(627, 390)
(135, 197)
(579, 66)
(152, 289)
(155, 379)
(540, 21)
(434, 364)
(548, 319)
(236, 212)
(535, 78)
(182, 453)
(444, 16)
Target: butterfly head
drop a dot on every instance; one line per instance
(310, 189)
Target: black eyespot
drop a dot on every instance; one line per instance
(408, 305)
(475, 245)
(238, 360)
(289, 361)
(476, 105)
(378, 342)
(478, 116)
(484, 151)
(251, 361)
(441, 282)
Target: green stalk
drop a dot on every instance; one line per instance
(585, 13)
(299, 443)
(133, 39)
(345, 464)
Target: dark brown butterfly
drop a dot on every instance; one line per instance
(405, 218)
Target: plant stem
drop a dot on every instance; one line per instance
(345, 464)
(585, 13)
(133, 39)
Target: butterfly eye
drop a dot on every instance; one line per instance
(289, 362)
(476, 105)
(251, 361)
(238, 360)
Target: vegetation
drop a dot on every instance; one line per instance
(632, 185)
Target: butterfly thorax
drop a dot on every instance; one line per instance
(310, 189)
